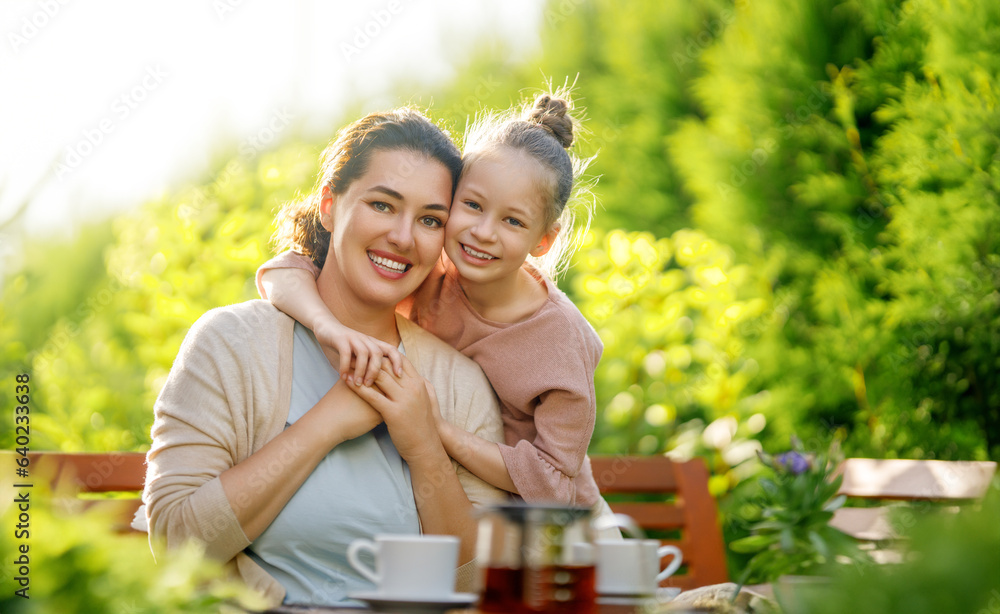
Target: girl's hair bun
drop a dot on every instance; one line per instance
(551, 113)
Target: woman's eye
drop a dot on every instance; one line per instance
(380, 206)
(432, 222)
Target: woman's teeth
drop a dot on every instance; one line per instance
(385, 263)
(472, 252)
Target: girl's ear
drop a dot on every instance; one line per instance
(327, 200)
(546, 242)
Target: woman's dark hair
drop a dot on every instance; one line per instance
(347, 158)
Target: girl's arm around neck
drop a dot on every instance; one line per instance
(294, 291)
(476, 454)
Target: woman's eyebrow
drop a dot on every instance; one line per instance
(387, 191)
(438, 207)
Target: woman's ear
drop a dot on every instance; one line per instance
(326, 203)
(546, 242)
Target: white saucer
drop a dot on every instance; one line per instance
(663, 595)
(391, 603)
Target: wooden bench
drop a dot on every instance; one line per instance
(670, 501)
(72, 476)
(921, 482)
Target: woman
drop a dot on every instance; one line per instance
(262, 453)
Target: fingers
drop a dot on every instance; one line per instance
(370, 394)
(345, 362)
(391, 353)
(373, 366)
(362, 359)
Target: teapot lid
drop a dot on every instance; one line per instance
(544, 513)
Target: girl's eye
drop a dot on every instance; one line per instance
(432, 222)
(514, 222)
(473, 205)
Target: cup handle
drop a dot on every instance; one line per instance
(675, 563)
(356, 547)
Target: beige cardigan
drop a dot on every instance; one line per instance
(228, 394)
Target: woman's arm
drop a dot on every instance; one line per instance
(259, 487)
(293, 291)
(204, 481)
(405, 404)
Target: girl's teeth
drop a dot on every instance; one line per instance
(388, 264)
(473, 252)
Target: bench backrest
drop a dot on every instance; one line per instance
(670, 500)
(69, 474)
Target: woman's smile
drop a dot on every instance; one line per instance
(389, 265)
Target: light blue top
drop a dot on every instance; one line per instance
(359, 489)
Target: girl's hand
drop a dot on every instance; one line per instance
(407, 406)
(366, 352)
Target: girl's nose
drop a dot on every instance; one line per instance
(485, 230)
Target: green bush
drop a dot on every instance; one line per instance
(76, 564)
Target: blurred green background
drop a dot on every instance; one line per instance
(797, 233)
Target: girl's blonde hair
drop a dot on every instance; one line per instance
(545, 130)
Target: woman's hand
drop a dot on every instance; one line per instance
(364, 351)
(348, 415)
(407, 407)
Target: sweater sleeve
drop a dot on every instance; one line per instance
(551, 411)
(285, 260)
(548, 467)
(198, 432)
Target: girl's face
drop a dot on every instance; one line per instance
(498, 217)
(387, 229)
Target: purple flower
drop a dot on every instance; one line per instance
(793, 462)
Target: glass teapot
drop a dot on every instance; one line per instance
(537, 558)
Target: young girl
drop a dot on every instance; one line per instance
(487, 301)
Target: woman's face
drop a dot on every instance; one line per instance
(387, 229)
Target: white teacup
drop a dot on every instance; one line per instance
(409, 566)
(632, 566)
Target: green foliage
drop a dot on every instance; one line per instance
(96, 369)
(76, 564)
(673, 314)
(853, 144)
(791, 536)
(951, 566)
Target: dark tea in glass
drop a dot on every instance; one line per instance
(537, 558)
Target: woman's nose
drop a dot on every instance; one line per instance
(401, 234)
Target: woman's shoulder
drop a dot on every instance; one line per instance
(239, 322)
(428, 352)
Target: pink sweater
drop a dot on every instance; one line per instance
(542, 369)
